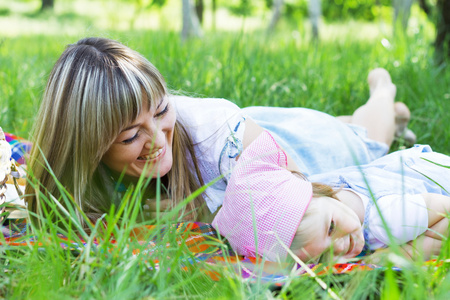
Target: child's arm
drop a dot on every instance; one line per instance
(429, 243)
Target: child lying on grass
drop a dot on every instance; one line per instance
(266, 205)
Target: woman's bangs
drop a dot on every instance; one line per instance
(125, 99)
(129, 101)
(142, 89)
(153, 89)
(127, 91)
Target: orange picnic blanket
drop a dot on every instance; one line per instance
(204, 246)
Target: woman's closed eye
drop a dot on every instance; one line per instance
(132, 139)
(163, 112)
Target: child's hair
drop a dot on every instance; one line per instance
(307, 227)
(96, 88)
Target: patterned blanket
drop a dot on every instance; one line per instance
(204, 245)
(202, 241)
(19, 147)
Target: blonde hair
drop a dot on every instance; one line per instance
(96, 88)
(308, 224)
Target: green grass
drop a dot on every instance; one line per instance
(249, 69)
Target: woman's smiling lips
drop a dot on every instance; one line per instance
(153, 156)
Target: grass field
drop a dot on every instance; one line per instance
(248, 68)
(251, 69)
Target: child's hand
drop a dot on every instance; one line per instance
(382, 256)
(379, 257)
(150, 208)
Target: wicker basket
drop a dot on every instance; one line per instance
(5, 155)
(13, 208)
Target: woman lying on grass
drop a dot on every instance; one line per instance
(392, 200)
(107, 119)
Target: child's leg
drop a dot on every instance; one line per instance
(378, 114)
(402, 117)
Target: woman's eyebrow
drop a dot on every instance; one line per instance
(130, 127)
(136, 125)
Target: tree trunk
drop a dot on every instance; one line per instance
(442, 42)
(277, 6)
(315, 11)
(402, 11)
(199, 8)
(425, 7)
(47, 4)
(191, 25)
(214, 9)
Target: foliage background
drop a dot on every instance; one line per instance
(237, 60)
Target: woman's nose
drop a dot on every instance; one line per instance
(154, 141)
(148, 145)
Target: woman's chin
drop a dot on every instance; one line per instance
(161, 170)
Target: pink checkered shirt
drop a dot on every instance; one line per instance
(263, 201)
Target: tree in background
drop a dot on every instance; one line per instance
(315, 12)
(276, 14)
(442, 42)
(199, 9)
(47, 5)
(440, 15)
(191, 25)
(402, 12)
(214, 9)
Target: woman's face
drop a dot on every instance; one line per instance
(145, 144)
(338, 232)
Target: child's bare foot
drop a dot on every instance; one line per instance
(380, 82)
(402, 117)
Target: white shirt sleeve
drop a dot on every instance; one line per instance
(216, 127)
(406, 217)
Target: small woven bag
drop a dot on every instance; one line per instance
(5, 170)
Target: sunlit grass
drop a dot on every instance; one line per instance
(252, 70)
